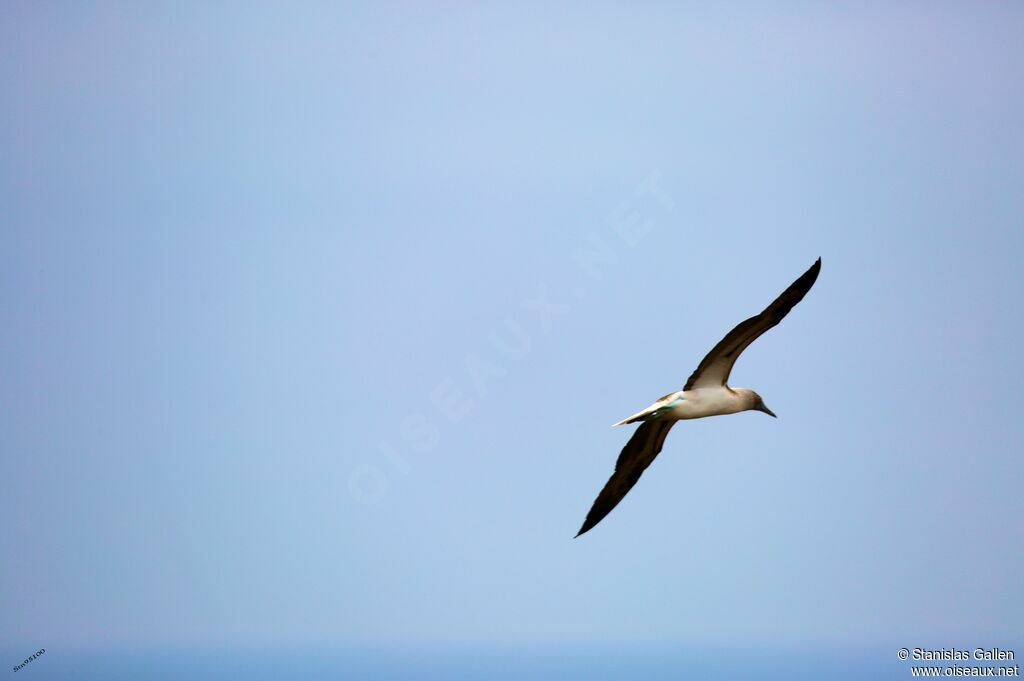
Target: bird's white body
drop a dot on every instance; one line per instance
(696, 404)
(703, 402)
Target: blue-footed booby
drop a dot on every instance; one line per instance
(706, 393)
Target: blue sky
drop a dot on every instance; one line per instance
(315, 320)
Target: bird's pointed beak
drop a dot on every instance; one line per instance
(766, 410)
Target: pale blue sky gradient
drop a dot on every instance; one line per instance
(254, 258)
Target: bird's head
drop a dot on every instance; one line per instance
(755, 402)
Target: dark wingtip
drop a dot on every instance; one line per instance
(810, 276)
(816, 267)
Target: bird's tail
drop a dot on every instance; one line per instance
(653, 411)
(639, 416)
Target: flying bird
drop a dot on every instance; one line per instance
(706, 393)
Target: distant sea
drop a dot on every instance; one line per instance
(561, 664)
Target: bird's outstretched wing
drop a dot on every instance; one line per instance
(715, 367)
(636, 456)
